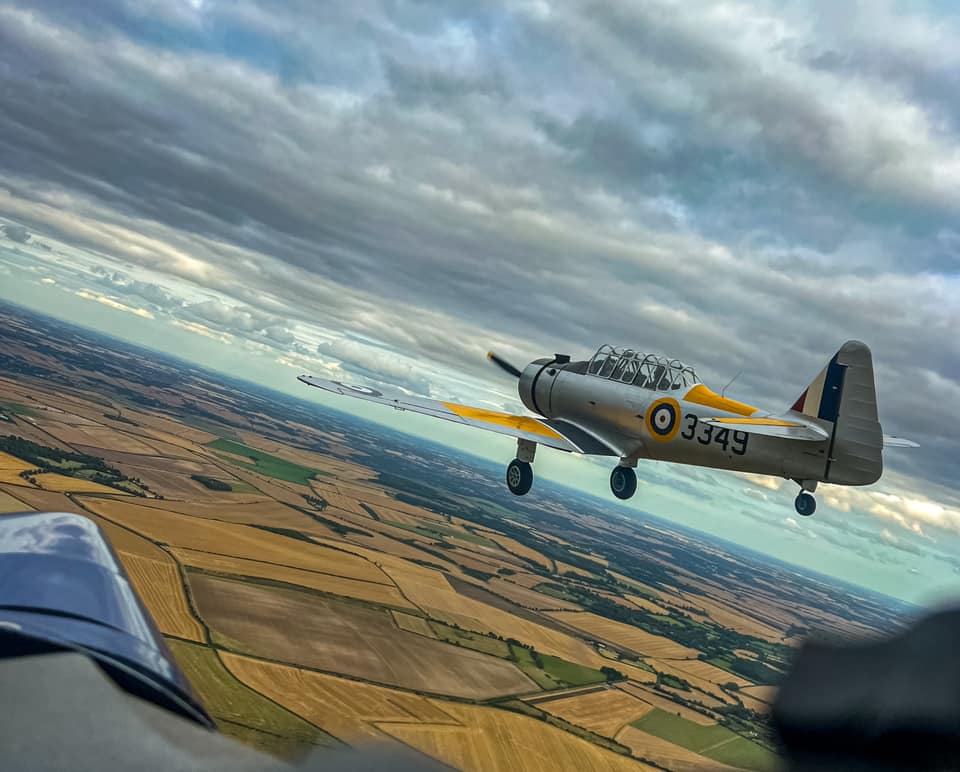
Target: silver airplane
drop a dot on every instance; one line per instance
(635, 406)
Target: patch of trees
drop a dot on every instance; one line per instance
(79, 465)
(613, 675)
(672, 681)
(317, 502)
(483, 576)
(341, 529)
(211, 482)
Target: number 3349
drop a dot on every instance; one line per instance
(706, 433)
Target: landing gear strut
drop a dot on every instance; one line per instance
(805, 503)
(520, 470)
(623, 482)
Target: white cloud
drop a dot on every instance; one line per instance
(113, 303)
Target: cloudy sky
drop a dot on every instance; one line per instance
(384, 189)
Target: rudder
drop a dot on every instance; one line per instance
(844, 394)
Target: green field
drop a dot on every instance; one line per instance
(12, 408)
(556, 673)
(440, 532)
(264, 463)
(715, 742)
(240, 710)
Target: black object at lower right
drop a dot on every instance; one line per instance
(881, 704)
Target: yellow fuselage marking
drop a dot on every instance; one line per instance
(701, 395)
(754, 421)
(522, 423)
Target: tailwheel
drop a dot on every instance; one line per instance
(806, 504)
(623, 482)
(519, 477)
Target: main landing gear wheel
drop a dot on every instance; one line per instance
(806, 504)
(623, 482)
(519, 477)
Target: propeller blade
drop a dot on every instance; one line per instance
(503, 364)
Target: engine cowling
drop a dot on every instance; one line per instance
(535, 385)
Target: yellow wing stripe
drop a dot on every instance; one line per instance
(753, 421)
(701, 395)
(522, 423)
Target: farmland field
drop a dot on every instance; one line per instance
(232, 703)
(264, 463)
(495, 740)
(373, 592)
(348, 710)
(715, 742)
(330, 635)
(159, 585)
(371, 585)
(625, 635)
(605, 711)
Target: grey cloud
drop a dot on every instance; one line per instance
(16, 233)
(149, 291)
(530, 184)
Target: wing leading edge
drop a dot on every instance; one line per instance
(521, 427)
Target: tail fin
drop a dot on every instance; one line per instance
(844, 394)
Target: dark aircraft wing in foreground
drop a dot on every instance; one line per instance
(86, 680)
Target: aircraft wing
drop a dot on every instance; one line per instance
(521, 427)
(773, 426)
(889, 441)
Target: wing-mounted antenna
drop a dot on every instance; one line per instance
(723, 391)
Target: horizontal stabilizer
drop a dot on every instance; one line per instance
(773, 426)
(889, 441)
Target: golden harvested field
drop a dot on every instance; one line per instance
(11, 467)
(335, 585)
(248, 509)
(349, 710)
(9, 504)
(413, 624)
(51, 481)
(126, 542)
(516, 548)
(665, 753)
(754, 704)
(765, 693)
(492, 740)
(647, 605)
(711, 672)
(100, 437)
(604, 712)
(40, 500)
(566, 568)
(235, 540)
(159, 585)
(620, 634)
(300, 628)
(659, 701)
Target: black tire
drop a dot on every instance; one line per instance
(519, 477)
(805, 504)
(623, 482)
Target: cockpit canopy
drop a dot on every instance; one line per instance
(650, 371)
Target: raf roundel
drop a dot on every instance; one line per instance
(663, 419)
